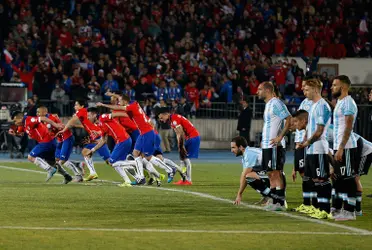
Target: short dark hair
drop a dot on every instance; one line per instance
(240, 141)
(82, 102)
(344, 79)
(300, 114)
(125, 98)
(17, 114)
(93, 110)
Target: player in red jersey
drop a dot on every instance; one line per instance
(123, 142)
(45, 149)
(188, 139)
(65, 143)
(129, 125)
(94, 133)
(145, 144)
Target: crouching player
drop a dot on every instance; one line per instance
(253, 173)
(37, 130)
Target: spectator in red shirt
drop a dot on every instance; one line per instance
(338, 50)
(27, 77)
(192, 94)
(279, 45)
(309, 46)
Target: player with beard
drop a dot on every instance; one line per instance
(345, 149)
(253, 173)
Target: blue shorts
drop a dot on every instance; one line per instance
(192, 146)
(146, 143)
(64, 149)
(121, 150)
(44, 150)
(103, 151)
(134, 135)
(158, 150)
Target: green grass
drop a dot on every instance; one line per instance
(27, 201)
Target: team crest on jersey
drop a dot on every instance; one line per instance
(174, 123)
(33, 120)
(306, 107)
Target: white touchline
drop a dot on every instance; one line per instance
(215, 198)
(157, 230)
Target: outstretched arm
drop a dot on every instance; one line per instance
(56, 125)
(70, 124)
(243, 185)
(100, 143)
(117, 107)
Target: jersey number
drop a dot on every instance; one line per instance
(317, 172)
(269, 164)
(301, 163)
(144, 115)
(342, 169)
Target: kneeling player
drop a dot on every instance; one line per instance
(253, 173)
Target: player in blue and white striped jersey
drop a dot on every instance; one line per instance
(309, 197)
(253, 173)
(345, 148)
(317, 159)
(276, 124)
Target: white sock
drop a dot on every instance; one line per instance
(157, 162)
(90, 165)
(41, 163)
(139, 167)
(150, 168)
(123, 174)
(182, 164)
(188, 169)
(172, 164)
(70, 165)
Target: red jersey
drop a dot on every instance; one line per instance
(93, 130)
(37, 130)
(61, 137)
(137, 114)
(126, 122)
(189, 129)
(113, 128)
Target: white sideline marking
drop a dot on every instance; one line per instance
(215, 198)
(155, 230)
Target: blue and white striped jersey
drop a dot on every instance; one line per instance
(320, 114)
(305, 105)
(274, 115)
(367, 145)
(344, 107)
(252, 157)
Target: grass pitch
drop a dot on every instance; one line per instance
(96, 215)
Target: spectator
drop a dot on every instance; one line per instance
(240, 96)
(109, 85)
(27, 77)
(60, 99)
(161, 93)
(129, 92)
(226, 91)
(173, 91)
(244, 121)
(184, 108)
(290, 81)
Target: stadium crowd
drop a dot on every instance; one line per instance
(204, 51)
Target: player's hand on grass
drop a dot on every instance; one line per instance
(294, 175)
(238, 200)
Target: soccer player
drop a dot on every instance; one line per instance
(309, 196)
(94, 133)
(188, 140)
(253, 173)
(37, 130)
(145, 143)
(345, 148)
(276, 124)
(365, 154)
(65, 143)
(126, 122)
(317, 159)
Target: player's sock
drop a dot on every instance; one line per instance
(61, 170)
(313, 193)
(139, 166)
(259, 186)
(172, 164)
(118, 168)
(324, 193)
(306, 191)
(351, 189)
(148, 165)
(333, 197)
(358, 206)
(42, 163)
(72, 166)
(188, 169)
(281, 195)
(339, 194)
(90, 165)
(274, 195)
(157, 162)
